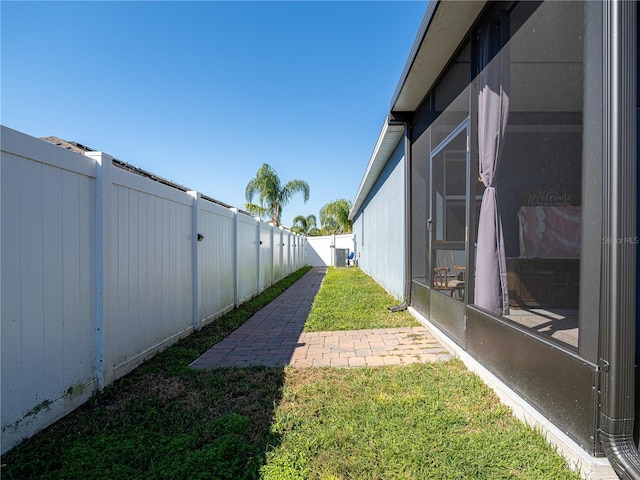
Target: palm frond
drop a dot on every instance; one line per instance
(272, 196)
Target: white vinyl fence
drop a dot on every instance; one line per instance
(102, 268)
(321, 251)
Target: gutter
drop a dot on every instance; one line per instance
(618, 313)
(407, 221)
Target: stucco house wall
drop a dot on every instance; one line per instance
(379, 227)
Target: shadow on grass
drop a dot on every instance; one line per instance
(165, 420)
(207, 425)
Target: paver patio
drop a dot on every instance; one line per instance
(274, 337)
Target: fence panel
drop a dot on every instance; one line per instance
(303, 251)
(294, 253)
(277, 254)
(216, 264)
(293, 241)
(320, 251)
(266, 255)
(149, 296)
(286, 254)
(247, 257)
(299, 249)
(47, 283)
(299, 252)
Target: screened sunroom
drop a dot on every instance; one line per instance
(521, 132)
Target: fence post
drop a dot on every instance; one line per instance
(294, 252)
(258, 243)
(273, 253)
(290, 251)
(195, 238)
(303, 254)
(236, 287)
(281, 247)
(104, 183)
(333, 250)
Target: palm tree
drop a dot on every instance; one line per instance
(303, 225)
(334, 217)
(272, 195)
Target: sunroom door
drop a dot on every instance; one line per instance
(448, 229)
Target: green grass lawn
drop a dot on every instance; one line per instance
(421, 421)
(351, 300)
(167, 421)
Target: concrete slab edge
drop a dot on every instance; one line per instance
(590, 468)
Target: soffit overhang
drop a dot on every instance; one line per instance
(444, 26)
(390, 135)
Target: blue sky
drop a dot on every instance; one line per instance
(203, 93)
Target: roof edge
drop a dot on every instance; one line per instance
(417, 43)
(444, 27)
(390, 134)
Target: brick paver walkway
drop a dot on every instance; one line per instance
(273, 337)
